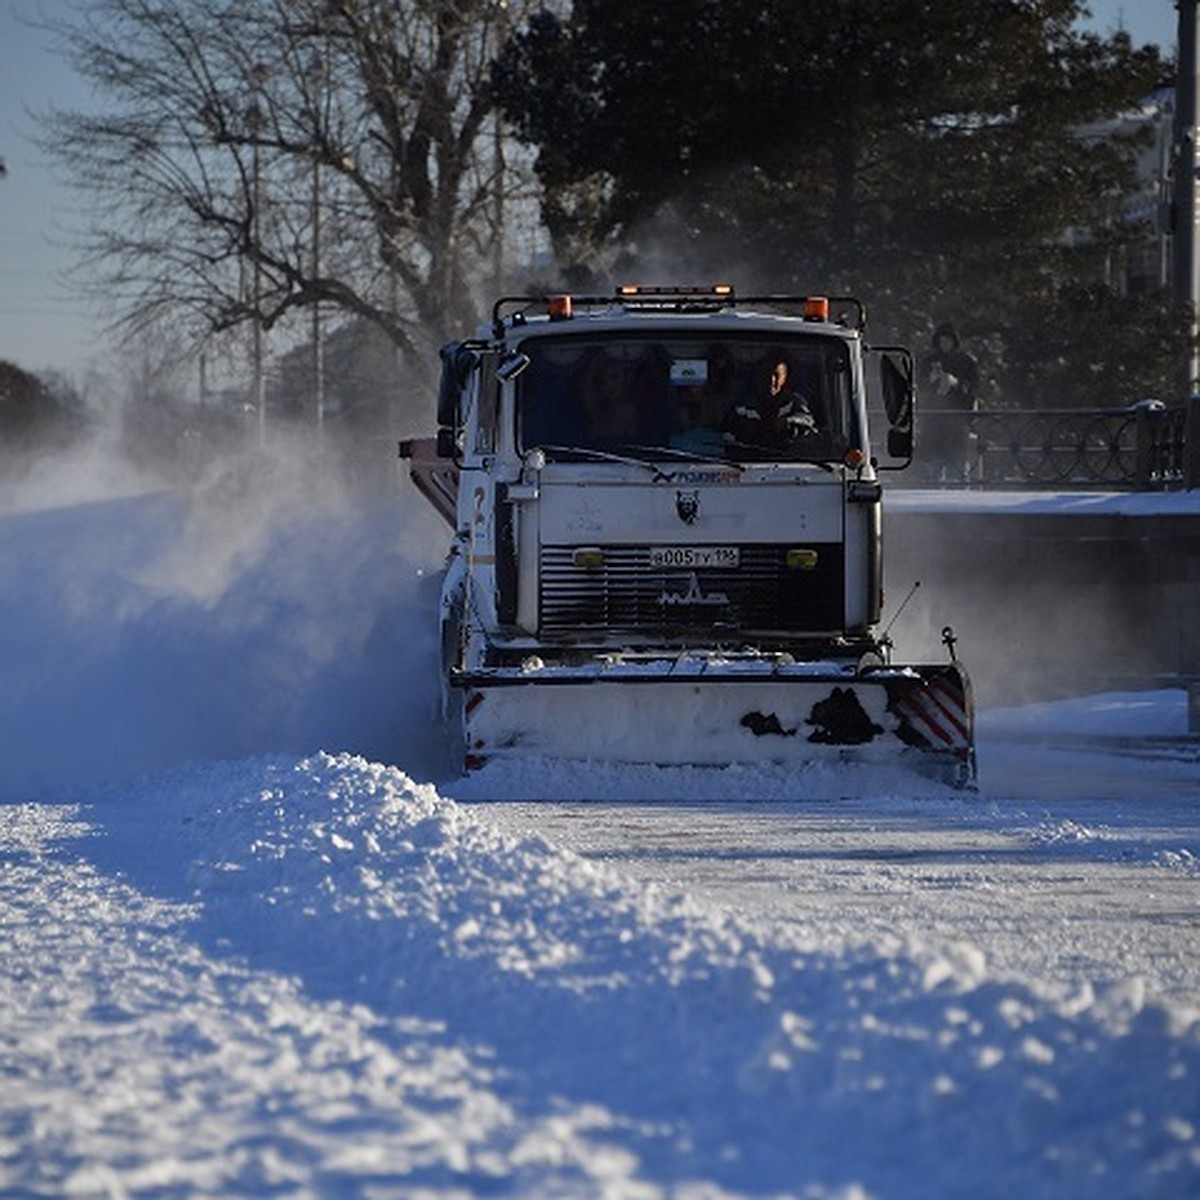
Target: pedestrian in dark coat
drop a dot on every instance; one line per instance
(950, 379)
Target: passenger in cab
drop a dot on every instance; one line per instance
(609, 405)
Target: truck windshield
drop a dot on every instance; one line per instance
(744, 398)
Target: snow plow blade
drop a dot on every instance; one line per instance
(711, 711)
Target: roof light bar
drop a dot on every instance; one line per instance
(676, 289)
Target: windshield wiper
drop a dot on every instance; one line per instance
(594, 455)
(645, 456)
(676, 454)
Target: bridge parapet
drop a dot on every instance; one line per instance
(1147, 447)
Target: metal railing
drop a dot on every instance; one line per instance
(1148, 446)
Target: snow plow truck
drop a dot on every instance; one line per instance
(667, 535)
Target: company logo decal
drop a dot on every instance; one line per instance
(693, 476)
(687, 505)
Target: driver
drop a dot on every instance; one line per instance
(781, 418)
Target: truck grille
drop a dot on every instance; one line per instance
(627, 595)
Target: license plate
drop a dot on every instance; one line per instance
(695, 557)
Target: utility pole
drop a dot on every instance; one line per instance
(318, 349)
(498, 204)
(256, 120)
(1186, 275)
(498, 165)
(316, 75)
(260, 375)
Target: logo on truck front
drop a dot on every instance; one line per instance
(687, 505)
(693, 596)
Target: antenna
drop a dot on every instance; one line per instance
(912, 591)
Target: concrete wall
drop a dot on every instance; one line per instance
(1048, 604)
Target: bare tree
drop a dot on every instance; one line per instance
(249, 159)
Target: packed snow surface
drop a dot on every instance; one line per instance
(257, 938)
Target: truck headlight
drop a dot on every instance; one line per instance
(801, 560)
(588, 558)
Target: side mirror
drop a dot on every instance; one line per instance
(897, 380)
(896, 375)
(457, 364)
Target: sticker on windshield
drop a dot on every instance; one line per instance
(689, 372)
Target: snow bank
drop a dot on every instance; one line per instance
(414, 995)
(1153, 713)
(1063, 503)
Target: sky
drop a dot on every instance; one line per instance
(44, 324)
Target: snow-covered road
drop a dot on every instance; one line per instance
(1071, 870)
(233, 964)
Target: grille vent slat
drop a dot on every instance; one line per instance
(626, 595)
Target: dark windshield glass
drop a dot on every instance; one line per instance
(743, 398)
